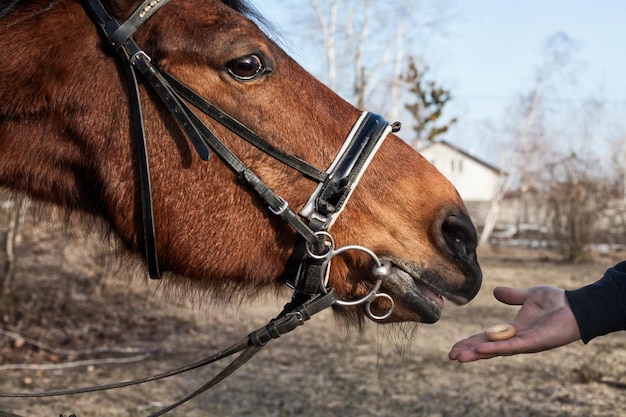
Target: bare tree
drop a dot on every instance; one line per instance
(328, 24)
(356, 30)
(365, 54)
(427, 107)
(557, 57)
(577, 198)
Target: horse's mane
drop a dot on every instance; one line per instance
(7, 6)
(242, 6)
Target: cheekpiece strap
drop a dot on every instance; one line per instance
(302, 272)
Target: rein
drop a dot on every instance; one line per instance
(307, 271)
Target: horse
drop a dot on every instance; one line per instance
(70, 136)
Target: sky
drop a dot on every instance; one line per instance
(488, 54)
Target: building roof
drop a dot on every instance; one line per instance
(465, 154)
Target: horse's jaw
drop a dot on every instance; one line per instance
(419, 293)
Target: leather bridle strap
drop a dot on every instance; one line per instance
(170, 91)
(329, 199)
(115, 33)
(208, 108)
(145, 186)
(312, 224)
(294, 314)
(303, 271)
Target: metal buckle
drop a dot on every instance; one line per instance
(137, 56)
(282, 208)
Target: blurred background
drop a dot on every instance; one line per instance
(519, 104)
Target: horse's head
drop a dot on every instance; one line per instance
(66, 136)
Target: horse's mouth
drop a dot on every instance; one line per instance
(420, 291)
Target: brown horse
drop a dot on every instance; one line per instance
(66, 137)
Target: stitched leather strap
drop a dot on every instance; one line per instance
(248, 135)
(335, 185)
(120, 35)
(145, 186)
(173, 93)
(303, 272)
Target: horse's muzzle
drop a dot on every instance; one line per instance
(418, 289)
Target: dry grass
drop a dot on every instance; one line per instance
(319, 370)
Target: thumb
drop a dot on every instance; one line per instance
(511, 296)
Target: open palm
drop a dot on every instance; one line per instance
(545, 321)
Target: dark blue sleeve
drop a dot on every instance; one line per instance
(600, 308)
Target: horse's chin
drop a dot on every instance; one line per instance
(418, 293)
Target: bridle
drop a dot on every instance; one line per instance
(308, 268)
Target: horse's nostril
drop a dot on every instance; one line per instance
(458, 239)
(460, 236)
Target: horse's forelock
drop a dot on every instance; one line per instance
(241, 6)
(247, 9)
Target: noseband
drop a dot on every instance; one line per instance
(308, 268)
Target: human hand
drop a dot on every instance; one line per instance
(545, 321)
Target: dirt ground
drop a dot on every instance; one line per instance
(68, 298)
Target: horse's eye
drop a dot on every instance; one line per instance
(246, 68)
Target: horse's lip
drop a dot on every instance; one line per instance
(418, 298)
(415, 289)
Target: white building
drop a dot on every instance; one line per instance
(476, 180)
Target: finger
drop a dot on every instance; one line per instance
(471, 356)
(485, 350)
(479, 347)
(471, 341)
(511, 296)
(504, 347)
(468, 344)
(464, 354)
